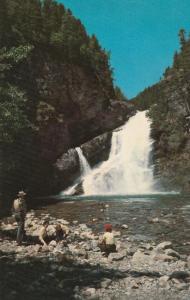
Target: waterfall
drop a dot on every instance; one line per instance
(128, 169)
(84, 165)
(84, 171)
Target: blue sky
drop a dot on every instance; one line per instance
(142, 35)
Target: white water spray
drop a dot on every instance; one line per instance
(84, 165)
(84, 170)
(128, 169)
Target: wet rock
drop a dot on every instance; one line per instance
(163, 257)
(65, 257)
(152, 220)
(134, 285)
(89, 292)
(94, 220)
(97, 249)
(139, 258)
(180, 275)
(45, 248)
(116, 256)
(148, 270)
(172, 252)
(164, 282)
(87, 235)
(34, 249)
(148, 247)
(75, 222)
(62, 221)
(83, 227)
(182, 286)
(124, 226)
(163, 245)
(188, 262)
(53, 243)
(94, 245)
(105, 283)
(117, 233)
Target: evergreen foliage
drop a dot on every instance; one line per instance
(119, 94)
(27, 28)
(168, 103)
(180, 71)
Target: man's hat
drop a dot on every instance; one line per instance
(21, 193)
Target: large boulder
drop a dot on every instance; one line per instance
(67, 167)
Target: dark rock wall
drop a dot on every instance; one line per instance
(69, 106)
(172, 137)
(67, 167)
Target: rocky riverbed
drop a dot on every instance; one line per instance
(78, 270)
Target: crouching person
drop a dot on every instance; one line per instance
(107, 245)
(61, 232)
(43, 234)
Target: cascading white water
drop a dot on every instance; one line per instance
(84, 165)
(128, 169)
(84, 170)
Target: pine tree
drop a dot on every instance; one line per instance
(182, 37)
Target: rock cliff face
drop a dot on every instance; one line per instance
(71, 108)
(172, 137)
(67, 167)
(56, 93)
(169, 107)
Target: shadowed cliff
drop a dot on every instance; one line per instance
(168, 102)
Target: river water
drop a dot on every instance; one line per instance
(172, 211)
(128, 170)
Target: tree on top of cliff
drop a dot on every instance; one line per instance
(33, 34)
(49, 26)
(180, 71)
(119, 94)
(182, 37)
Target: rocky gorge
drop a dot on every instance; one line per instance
(78, 270)
(169, 108)
(58, 89)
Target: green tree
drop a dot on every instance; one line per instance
(119, 94)
(182, 37)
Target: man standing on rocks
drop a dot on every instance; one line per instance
(19, 210)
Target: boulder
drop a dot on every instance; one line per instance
(163, 281)
(116, 256)
(172, 252)
(83, 227)
(53, 243)
(75, 222)
(124, 226)
(163, 245)
(89, 292)
(139, 258)
(163, 257)
(105, 283)
(180, 275)
(62, 221)
(153, 220)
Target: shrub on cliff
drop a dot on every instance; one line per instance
(176, 75)
(36, 34)
(48, 24)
